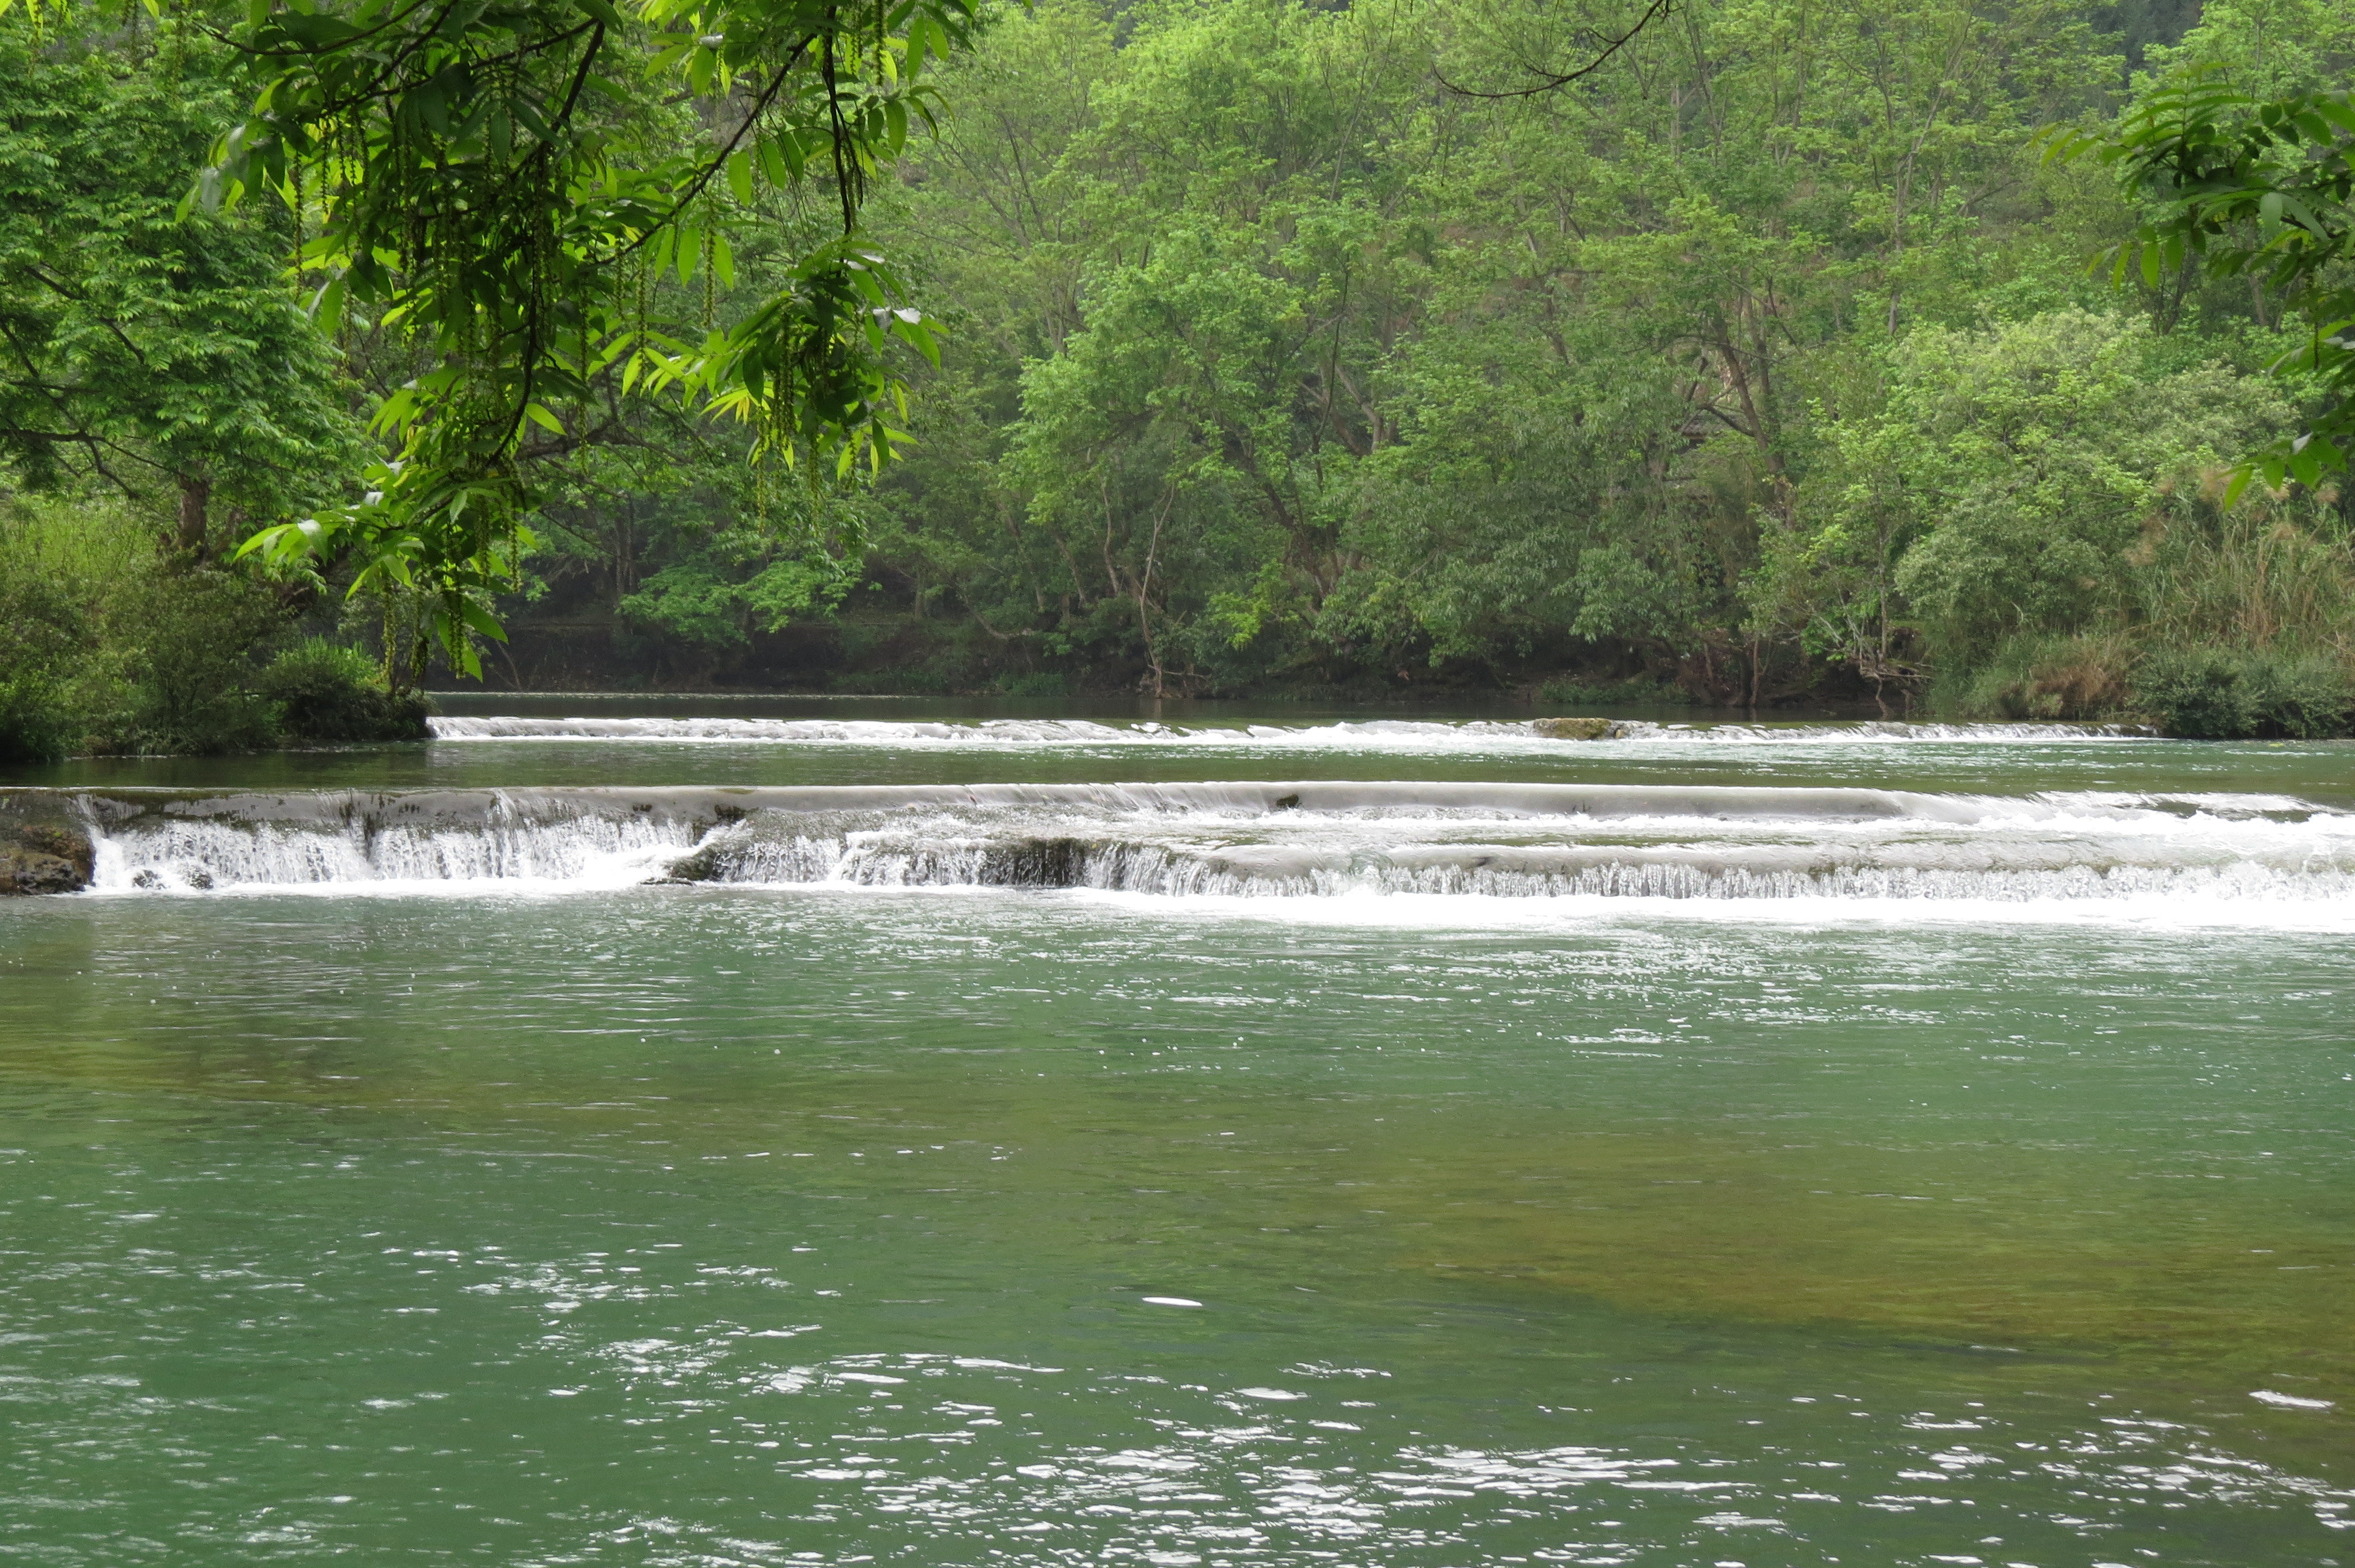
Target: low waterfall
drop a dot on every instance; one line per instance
(1271, 839)
(1424, 736)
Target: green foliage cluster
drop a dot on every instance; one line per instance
(322, 690)
(146, 352)
(499, 218)
(163, 395)
(512, 184)
(2244, 184)
(107, 647)
(2228, 695)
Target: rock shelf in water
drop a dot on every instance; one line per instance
(42, 849)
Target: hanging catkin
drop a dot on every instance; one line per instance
(294, 179)
(710, 274)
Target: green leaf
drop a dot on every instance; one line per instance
(773, 163)
(482, 621)
(328, 304)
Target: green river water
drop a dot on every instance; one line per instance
(567, 1218)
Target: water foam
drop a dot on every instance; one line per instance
(1259, 841)
(1393, 735)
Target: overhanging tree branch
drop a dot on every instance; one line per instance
(1554, 81)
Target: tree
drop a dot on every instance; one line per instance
(144, 348)
(1403, 379)
(505, 182)
(1997, 488)
(2258, 189)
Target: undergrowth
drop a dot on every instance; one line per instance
(108, 646)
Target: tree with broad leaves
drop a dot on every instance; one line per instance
(145, 351)
(504, 181)
(2244, 187)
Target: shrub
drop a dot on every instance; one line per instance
(2033, 677)
(59, 562)
(2198, 693)
(104, 647)
(319, 690)
(2215, 694)
(177, 671)
(2309, 698)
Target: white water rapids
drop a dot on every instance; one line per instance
(1423, 737)
(2177, 854)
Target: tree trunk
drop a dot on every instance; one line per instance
(195, 503)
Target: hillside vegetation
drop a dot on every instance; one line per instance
(1308, 349)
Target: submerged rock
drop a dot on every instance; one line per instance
(1578, 729)
(703, 865)
(41, 853)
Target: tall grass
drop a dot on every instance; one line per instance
(58, 565)
(2274, 573)
(2236, 622)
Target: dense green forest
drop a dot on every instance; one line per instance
(1286, 348)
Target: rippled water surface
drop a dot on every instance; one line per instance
(413, 1180)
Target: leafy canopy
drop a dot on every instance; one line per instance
(140, 349)
(503, 182)
(2244, 187)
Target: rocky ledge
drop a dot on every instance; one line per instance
(41, 851)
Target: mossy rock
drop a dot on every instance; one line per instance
(42, 855)
(24, 872)
(1576, 729)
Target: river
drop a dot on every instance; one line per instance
(685, 1132)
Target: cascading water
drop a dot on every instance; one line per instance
(1271, 839)
(1409, 736)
